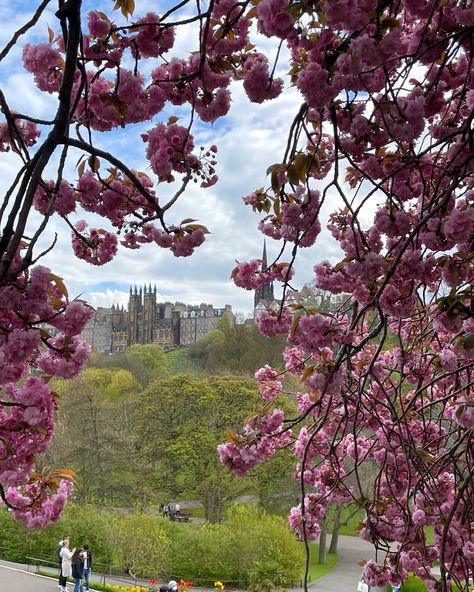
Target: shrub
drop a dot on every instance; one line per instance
(250, 548)
(141, 544)
(82, 524)
(263, 548)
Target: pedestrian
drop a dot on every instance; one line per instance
(77, 568)
(66, 567)
(178, 509)
(172, 586)
(87, 566)
(58, 554)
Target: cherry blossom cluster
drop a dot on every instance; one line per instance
(18, 134)
(383, 138)
(29, 304)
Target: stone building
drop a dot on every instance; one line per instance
(197, 322)
(98, 331)
(145, 321)
(310, 295)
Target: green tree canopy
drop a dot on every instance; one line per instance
(181, 420)
(94, 435)
(236, 349)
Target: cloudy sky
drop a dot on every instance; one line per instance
(249, 139)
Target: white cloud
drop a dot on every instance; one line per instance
(249, 140)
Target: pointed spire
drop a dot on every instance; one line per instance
(130, 290)
(155, 288)
(135, 289)
(264, 256)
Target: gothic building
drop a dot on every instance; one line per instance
(145, 320)
(264, 296)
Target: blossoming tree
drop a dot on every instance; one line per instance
(382, 136)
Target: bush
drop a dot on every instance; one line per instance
(263, 548)
(248, 548)
(82, 524)
(251, 548)
(141, 544)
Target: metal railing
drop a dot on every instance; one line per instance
(112, 575)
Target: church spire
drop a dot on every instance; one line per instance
(264, 256)
(264, 294)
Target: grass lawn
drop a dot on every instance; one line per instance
(317, 570)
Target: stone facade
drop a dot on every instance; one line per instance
(98, 331)
(197, 322)
(310, 295)
(144, 321)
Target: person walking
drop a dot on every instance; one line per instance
(77, 569)
(87, 566)
(66, 567)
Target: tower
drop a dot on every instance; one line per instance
(134, 310)
(149, 314)
(264, 294)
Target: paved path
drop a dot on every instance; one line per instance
(17, 577)
(344, 577)
(13, 580)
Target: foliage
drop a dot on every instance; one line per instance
(151, 356)
(144, 362)
(270, 551)
(236, 349)
(84, 525)
(413, 584)
(141, 544)
(155, 547)
(94, 435)
(249, 545)
(181, 420)
(180, 362)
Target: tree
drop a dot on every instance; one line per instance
(238, 349)
(144, 362)
(181, 420)
(152, 357)
(94, 437)
(382, 135)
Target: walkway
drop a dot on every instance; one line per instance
(346, 575)
(14, 580)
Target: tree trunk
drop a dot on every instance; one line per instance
(212, 507)
(335, 530)
(322, 543)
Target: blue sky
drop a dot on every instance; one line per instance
(250, 139)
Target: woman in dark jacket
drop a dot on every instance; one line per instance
(77, 562)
